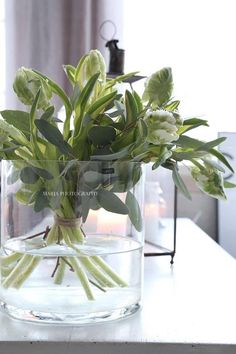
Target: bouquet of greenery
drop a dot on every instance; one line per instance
(100, 125)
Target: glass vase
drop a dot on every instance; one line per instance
(71, 240)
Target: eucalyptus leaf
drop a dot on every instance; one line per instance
(102, 135)
(134, 211)
(180, 183)
(111, 202)
(43, 173)
(41, 201)
(28, 175)
(93, 178)
(53, 135)
(13, 177)
(18, 119)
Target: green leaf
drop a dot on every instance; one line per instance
(143, 129)
(13, 177)
(111, 202)
(86, 92)
(186, 142)
(131, 108)
(221, 158)
(102, 135)
(56, 89)
(70, 73)
(18, 119)
(33, 131)
(134, 211)
(138, 101)
(117, 155)
(211, 144)
(76, 94)
(28, 175)
(100, 105)
(85, 206)
(121, 78)
(43, 173)
(25, 196)
(48, 113)
(187, 155)
(126, 176)
(53, 135)
(93, 178)
(180, 183)
(195, 121)
(10, 148)
(79, 67)
(13, 132)
(61, 93)
(164, 155)
(172, 106)
(41, 201)
(158, 87)
(228, 184)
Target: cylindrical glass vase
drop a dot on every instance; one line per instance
(71, 240)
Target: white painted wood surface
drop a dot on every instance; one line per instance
(187, 309)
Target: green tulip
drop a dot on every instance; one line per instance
(159, 87)
(209, 180)
(162, 127)
(89, 65)
(27, 84)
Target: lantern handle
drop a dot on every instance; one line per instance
(101, 28)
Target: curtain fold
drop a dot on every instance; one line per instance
(48, 33)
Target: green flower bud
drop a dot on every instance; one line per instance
(91, 64)
(210, 181)
(26, 86)
(162, 127)
(159, 87)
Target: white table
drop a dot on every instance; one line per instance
(189, 308)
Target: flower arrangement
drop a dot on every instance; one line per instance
(100, 125)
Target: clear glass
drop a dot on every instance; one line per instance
(71, 240)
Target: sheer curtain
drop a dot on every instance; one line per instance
(48, 33)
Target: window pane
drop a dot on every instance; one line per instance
(197, 39)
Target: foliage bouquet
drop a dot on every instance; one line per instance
(82, 163)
